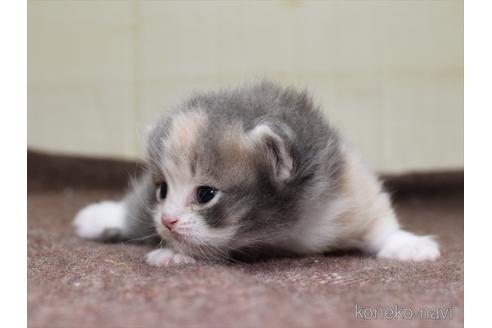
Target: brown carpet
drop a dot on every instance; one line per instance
(79, 283)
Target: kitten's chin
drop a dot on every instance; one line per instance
(188, 245)
(202, 251)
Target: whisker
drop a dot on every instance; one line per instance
(145, 237)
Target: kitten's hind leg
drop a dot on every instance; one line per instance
(381, 234)
(386, 239)
(406, 246)
(127, 220)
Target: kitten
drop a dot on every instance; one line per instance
(255, 170)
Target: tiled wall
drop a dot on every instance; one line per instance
(388, 73)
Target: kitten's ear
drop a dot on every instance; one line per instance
(275, 149)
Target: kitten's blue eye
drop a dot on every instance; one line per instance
(163, 190)
(204, 194)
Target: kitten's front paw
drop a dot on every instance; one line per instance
(167, 257)
(405, 246)
(102, 221)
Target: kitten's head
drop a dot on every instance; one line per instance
(219, 183)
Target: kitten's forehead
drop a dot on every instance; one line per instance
(183, 133)
(180, 143)
(197, 148)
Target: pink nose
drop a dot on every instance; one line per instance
(169, 222)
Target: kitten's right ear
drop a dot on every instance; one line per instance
(275, 149)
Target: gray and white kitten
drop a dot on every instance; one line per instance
(256, 170)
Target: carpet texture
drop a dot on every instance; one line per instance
(78, 283)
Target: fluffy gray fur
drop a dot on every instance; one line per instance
(290, 186)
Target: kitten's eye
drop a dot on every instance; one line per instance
(204, 194)
(163, 190)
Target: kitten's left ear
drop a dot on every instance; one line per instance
(275, 149)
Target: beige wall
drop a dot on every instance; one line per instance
(389, 74)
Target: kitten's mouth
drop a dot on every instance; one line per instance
(188, 245)
(177, 237)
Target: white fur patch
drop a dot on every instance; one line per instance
(405, 246)
(91, 221)
(167, 257)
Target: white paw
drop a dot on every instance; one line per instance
(167, 257)
(405, 246)
(91, 221)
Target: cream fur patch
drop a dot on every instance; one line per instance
(184, 131)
